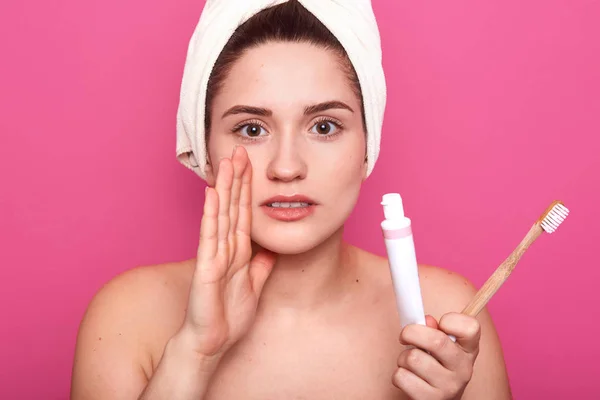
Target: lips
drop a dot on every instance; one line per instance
(288, 208)
(297, 198)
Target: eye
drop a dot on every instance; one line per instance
(325, 127)
(251, 130)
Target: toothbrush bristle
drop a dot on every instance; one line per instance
(554, 217)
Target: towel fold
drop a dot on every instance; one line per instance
(352, 22)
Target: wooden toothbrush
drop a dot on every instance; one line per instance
(548, 222)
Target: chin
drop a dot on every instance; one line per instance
(290, 238)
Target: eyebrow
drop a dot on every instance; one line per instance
(265, 112)
(328, 105)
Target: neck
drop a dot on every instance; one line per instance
(309, 280)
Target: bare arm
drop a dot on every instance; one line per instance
(112, 358)
(109, 354)
(180, 375)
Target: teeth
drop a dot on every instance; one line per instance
(295, 204)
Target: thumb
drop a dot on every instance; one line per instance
(260, 268)
(431, 322)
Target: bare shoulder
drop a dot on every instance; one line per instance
(126, 322)
(139, 295)
(444, 290)
(145, 279)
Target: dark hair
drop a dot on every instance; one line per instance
(286, 22)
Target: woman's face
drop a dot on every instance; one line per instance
(294, 110)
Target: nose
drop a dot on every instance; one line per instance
(287, 163)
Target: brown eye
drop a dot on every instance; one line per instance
(251, 130)
(324, 128)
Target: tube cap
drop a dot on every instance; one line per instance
(392, 206)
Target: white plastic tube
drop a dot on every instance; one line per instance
(399, 243)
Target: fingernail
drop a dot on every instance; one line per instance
(205, 189)
(234, 149)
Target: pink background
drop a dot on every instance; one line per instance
(493, 113)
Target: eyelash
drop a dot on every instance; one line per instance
(338, 124)
(237, 128)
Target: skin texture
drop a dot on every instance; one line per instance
(271, 309)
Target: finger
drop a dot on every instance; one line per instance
(239, 165)
(466, 329)
(425, 367)
(413, 386)
(223, 188)
(260, 269)
(431, 322)
(207, 248)
(435, 342)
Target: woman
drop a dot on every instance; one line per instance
(276, 305)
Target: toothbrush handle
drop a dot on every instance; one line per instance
(494, 282)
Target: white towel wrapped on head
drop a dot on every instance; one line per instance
(352, 22)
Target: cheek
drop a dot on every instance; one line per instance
(347, 163)
(341, 176)
(212, 150)
(219, 147)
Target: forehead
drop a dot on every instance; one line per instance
(281, 73)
